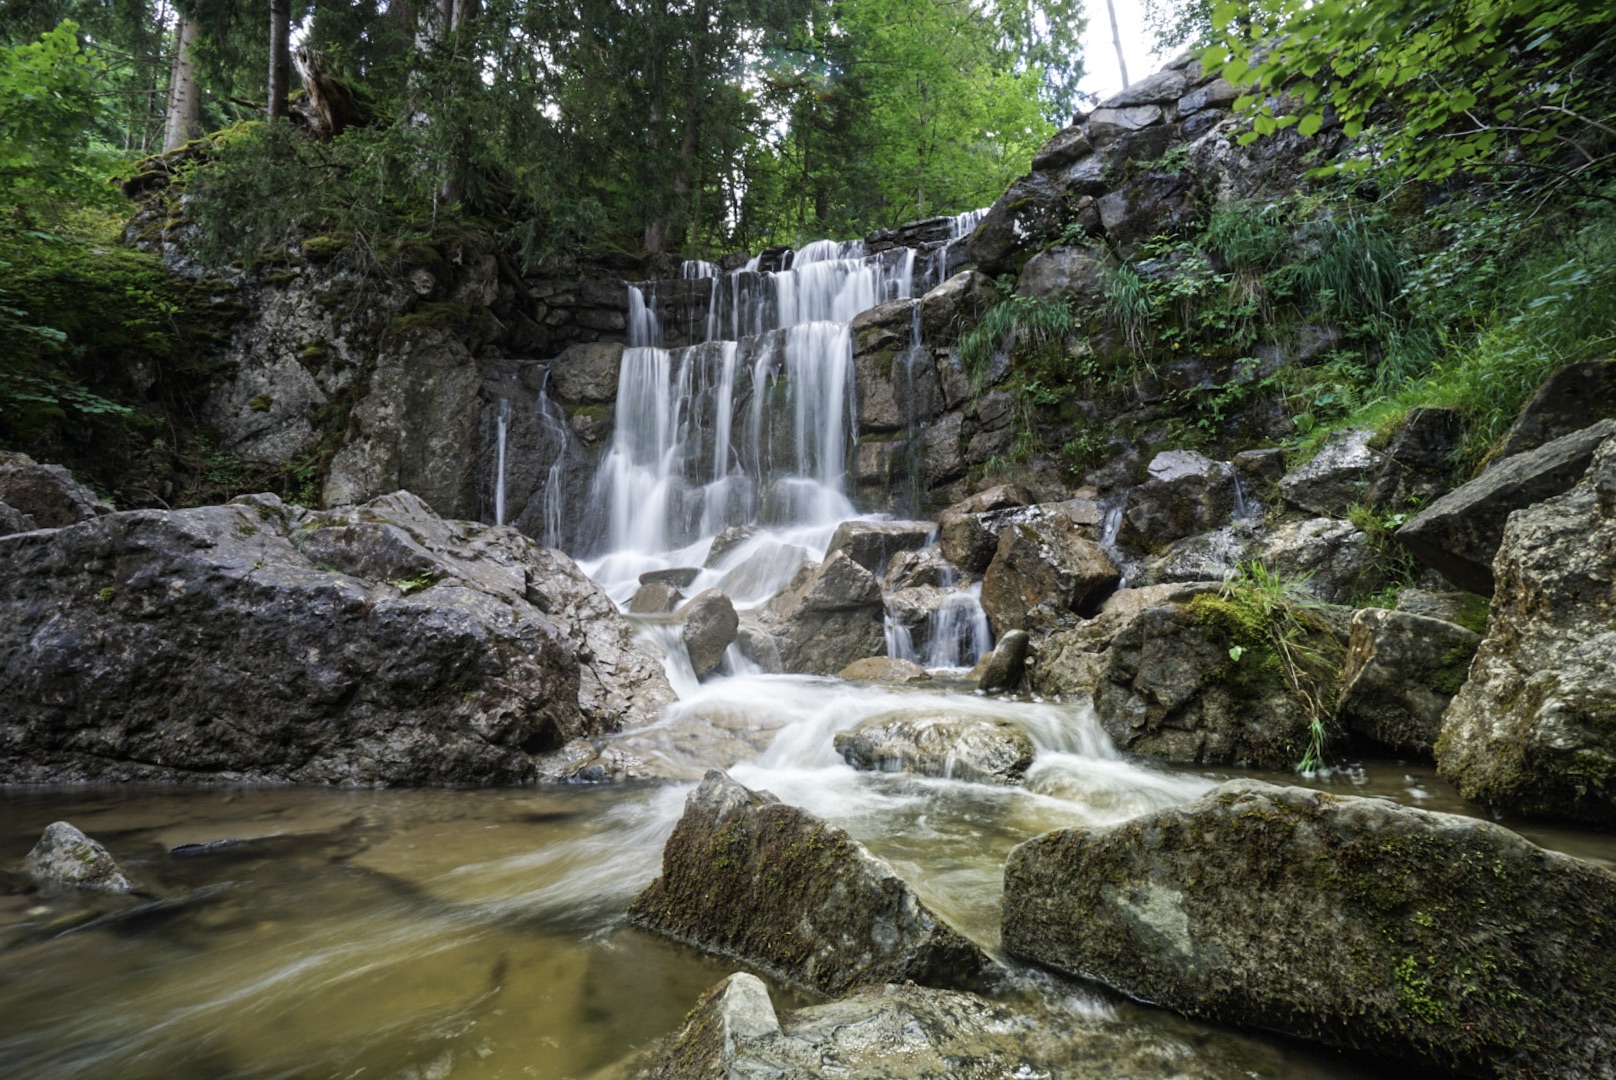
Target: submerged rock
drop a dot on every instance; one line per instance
(1458, 535)
(1353, 922)
(1400, 674)
(708, 624)
(907, 1032)
(962, 746)
(261, 642)
(1534, 728)
(884, 669)
(747, 876)
(65, 856)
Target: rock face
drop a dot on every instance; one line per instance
(872, 544)
(747, 876)
(1400, 674)
(962, 746)
(45, 496)
(260, 642)
(828, 617)
(1458, 535)
(65, 856)
(1334, 480)
(708, 626)
(908, 1032)
(1431, 938)
(1534, 728)
(1186, 493)
(1043, 575)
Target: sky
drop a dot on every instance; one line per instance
(1100, 56)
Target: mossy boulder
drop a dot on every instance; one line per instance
(959, 744)
(1430, 938)
(1400, 674)
(747, 876)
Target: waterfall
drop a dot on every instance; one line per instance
(960, 634)
(555, 425)
(503, 423)
(960, 228)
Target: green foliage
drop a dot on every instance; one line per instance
(1015, 324)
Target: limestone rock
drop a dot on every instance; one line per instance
(1209, 556)
(1571, 399)
(367, 645)
(1336, 478)
(962, 746)
(1401, 672)
(967, 536)
(828, 617)
(1066, 274)
(680, 577)
(1534, 728)
(1002, 668)
(1150, 204)
(884, 669)
(911, 569)
(727, 541)
(1460, 608)
(1266, 464)
(46, 494)
(65, 856)
(1329, 558)
(707, 627)
(1439, 940)
(872, 544)
(1458, 535)
(1043, 575)
(747, 876)
(587, 374)
(655, 599)
(1074, 661)
(1186, 493)
(1156, 89)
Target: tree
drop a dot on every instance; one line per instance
(183, 119)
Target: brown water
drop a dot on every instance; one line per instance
(479, 934)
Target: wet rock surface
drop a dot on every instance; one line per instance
(1353, 922)
(65, 856)
(968, 531)
(44, 496)
(1401, 671)
(1003, 668)
(1534, 728)
(708, 625)
(1186, 493)
(1458, 535)
(747, 876)
(872, 544)
(962, 747)
(830, 616)
(1044, 574)
(1335, 479)
(257, 641)
(884, 669)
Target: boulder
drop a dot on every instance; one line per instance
(1461, 608)
(46, 494)
(947, 309)
(655, 599)
(961, 746)
(1266, 464)
(1068, 145)
(872, 544)
(1458, 535)
(1571, 399)
(829, 616)
(1337, 477)
(914, 569)
(680, 577)
(1330, 559)
(65, 856)
(258, 642)
(908, 1032)
(1150, 204)
(759, 647)
(1401, 672)
(1066, 274)
(1002, 668)
(1416, 467)
(587, 374)
(1109, 123)
(884, 669)
(1166, 85)
(967, 535)
(1031, 211)
(707, 626)
(1044, 575)
(747, 876)
(1533, 730)
(13, 520)
(1442, 941)
(1072, 662)
(1218, 92)
(726, 541)
(1186, 493)
(1210, 556)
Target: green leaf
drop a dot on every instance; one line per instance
(1310, 124)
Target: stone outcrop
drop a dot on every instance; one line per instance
(960, 745)
(1458, 535)
(1443, 941)
(1185, 493)
(747, 876)
(828, 617)
(44, 496)
(708, 624)
(967, 531)
(1533, 730)
(1336, 478)
(262, 642)
(872, 544)
(65, 856)
(1401, 671)
(1045, 574)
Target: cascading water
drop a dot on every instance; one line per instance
(960, 634)
(555, 425)
(960, 228)
(503, 423)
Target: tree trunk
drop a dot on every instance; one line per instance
(183, 121)
(280, 56)
(1116, 40)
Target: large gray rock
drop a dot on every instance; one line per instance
(1073, 662)
(1149, 204)
(708, 624)
(1157, 89)
(963, 746)
(1337, 477)
(747, 876)
(828, 617)
(260, 642)
(13, 520)
(654, 599)
(968, 531)
(1534, 728)
(947, 310)
(1458, 535)
(1031, 211)
(1571, 399)
(1066, 274)
(1440, 940)
(47, 495)
(1044, 575)
(908, 1032)
(1210, 556)
(1186, 493)
(65, 856)
(1330, 559)
(872, 544)
(1401, 672)
(587, 374)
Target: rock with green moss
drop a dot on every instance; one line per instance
(1401, 671)
(65, 856)
(960, 744)
(747, 876)
(1428, 938)
(1534, 728)
(908, 1032)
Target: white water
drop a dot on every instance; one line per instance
(504, 422)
